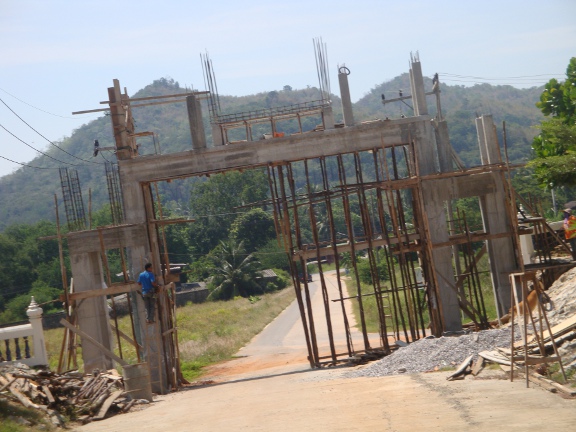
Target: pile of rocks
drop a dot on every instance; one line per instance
(436, 353)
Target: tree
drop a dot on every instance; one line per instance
(273, 256)
(365, 270)
(254, 228)
(235, 272)
(214, 204)
(554, 149)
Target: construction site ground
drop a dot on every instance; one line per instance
(270, 386)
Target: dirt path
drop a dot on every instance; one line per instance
(271, 387)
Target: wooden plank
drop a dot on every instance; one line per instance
(478, 366)
(540, 360)
(461, 369)
(107, 404)
(556, 331)
(24, 400)
(549, 384)
(48, 394)
(113, 290)
(173, 329)
(126, 337)
(494, 357)
(7, 384)
(89, 338)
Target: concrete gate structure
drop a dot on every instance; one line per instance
(429, 178)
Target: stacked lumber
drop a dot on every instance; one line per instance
(71, 394)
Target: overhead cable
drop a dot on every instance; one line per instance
(39, 109)
(58, 147)
(34, 148)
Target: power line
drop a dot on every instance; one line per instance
(500, 78)
(25, 165)
(535, 83)
(516, 80)
(34, 148)
(39, 109)
(58, 147)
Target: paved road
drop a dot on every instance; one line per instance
(271, 387)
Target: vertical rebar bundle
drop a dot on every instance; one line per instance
(114, 193)
(73, 203)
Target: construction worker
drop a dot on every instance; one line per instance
(570, 230)
(149, 286)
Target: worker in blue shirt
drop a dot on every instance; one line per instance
(149, 286)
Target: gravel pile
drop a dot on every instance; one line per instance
(428, 354)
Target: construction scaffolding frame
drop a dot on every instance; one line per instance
(373, 199)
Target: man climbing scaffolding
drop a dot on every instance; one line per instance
(149, 287)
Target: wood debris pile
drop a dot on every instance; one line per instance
(71, 395)
(530, 357)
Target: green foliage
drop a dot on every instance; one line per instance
(554, 148)
(29, 267)
(556, 170)
(102, 217)
(282, 280)
(271, 255)
(365, 271)
(43, 294)
(201, 268)
(254, 229)
(235, 272)
(559, 99)
(214, 205)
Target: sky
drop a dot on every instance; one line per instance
(60, 56)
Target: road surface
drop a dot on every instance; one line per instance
(271, 387)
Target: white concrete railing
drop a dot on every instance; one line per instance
(10, 349)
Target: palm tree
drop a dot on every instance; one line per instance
(235, 272)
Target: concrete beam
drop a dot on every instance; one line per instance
(115, 237)
(260, 153)
(461, 187)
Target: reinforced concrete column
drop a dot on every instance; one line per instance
(217, 135)
(137, 201)
(92, 313)
(328, 117)
(418, 92)
(196, 124)
(434, 200)
(444, 147)
(495, 217)
(343, 73)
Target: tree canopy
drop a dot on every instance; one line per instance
(554, 149)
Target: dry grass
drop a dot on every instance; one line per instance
(207, 333)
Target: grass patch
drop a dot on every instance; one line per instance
(207, 333)
(556, 375)
(11, 414)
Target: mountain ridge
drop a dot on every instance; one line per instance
(27, 195)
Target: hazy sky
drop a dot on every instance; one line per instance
(60, 56)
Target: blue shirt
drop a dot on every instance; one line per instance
(145, 279)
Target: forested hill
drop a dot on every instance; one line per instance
(27, 195)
